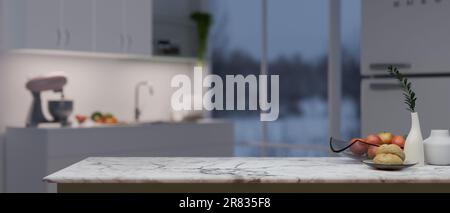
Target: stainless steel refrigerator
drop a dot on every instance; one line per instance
(414, 35)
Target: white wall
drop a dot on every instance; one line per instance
(102, 84)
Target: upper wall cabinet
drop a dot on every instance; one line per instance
(59, 24)
(413, 35)
(109, 36)
(123, 26)
(77, 25)
(139, 34)
(136, 27)
(43, 24)
(48, 24)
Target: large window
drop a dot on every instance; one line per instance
(351, 77)
(297, 51)
(236, 49)
(297, 47)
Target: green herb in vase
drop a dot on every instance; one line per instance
(413, 149)
(203, 21)
(408, 93)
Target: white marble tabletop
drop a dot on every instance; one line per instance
(239, 170)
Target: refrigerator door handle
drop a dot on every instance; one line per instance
(385, 86)
(384, 66)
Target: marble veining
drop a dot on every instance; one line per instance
(239, 170)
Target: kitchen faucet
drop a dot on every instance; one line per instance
(137, 111)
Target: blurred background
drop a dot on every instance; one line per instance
(83, 78)
(297, 51)
(95, 44)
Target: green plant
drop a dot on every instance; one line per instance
(203, 21)
(408, 93)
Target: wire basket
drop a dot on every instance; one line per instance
(341, 147)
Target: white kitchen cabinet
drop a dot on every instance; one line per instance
(110, 26)
(59, 24)
(138, 26)
(43, 21)
(77, 25)
(123, 26)
(382, 107)
(409, 34)
(109, 32)
(56, 25)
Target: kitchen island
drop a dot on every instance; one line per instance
(181, 174)
(32, 153)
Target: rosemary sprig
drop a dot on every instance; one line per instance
(408, 93)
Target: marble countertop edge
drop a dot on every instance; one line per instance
(324, 170)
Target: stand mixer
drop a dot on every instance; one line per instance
(60, 110)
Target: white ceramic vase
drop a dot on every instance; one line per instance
(414, 142)
(437, 148)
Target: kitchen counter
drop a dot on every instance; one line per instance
(32, 153)
(244, 175)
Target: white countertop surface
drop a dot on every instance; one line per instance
(240, 170)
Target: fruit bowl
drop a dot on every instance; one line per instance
(341, 147)
(348, 153)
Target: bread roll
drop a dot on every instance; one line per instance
(389, 159)
(391, 149)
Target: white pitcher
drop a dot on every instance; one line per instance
(437, 148)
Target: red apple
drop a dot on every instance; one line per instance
(374, 139)
(358, 148)
(372, 152)
(399, 141)
(386, 137)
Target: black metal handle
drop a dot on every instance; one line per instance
(348, 146)
(385, 86)
(384, 66)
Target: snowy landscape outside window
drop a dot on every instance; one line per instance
(297, 51)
